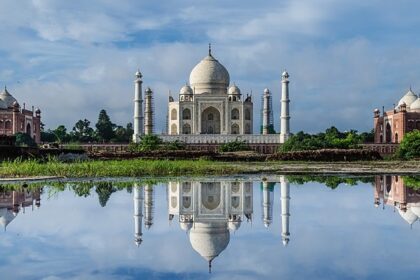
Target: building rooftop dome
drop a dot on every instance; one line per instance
(3, 104)
(415, 106)
(7, 97)
(209, 74)
(234, 90)
(408, 98)
(209, 239)
(187, 90)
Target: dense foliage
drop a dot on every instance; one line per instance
(410, 146)
(332, 138)
(147, 143)
(330, 181)
(82, 132)
(24, 140)
(234, 146)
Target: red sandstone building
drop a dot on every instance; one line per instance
(394, 124)
(14, 119)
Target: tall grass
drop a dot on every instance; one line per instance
(114, 168)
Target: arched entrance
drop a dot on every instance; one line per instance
(28, 130)
(388, 133)
(210, 121)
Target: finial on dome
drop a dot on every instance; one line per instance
(209, 49)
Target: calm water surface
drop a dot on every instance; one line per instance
(271, 227)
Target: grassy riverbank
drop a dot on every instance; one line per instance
(141, 167)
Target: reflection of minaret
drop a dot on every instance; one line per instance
(138, 108)
(138, 214)
(148, 206)
(285, 214)
(148, 112)
(267, 202)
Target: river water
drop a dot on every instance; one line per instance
(260, 227)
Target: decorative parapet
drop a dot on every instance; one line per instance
(219, 139)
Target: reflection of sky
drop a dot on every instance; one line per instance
(334, 234)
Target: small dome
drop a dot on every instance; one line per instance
(408, 99)
(187, 90)
(408, 216)
(234, 90)
(209, 239)
(209, 74)
(285, 75)
(38, 111)
(266, 90)
(148, 90)
(7, 98)
(415, 106)
(138, 74)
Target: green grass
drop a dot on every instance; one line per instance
(115, 168)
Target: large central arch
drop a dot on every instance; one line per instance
(210, 121)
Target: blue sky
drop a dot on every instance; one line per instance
(345, 58)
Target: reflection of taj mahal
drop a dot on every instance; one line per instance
(393, 192)
(209, 210)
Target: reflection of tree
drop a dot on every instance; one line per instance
(104, 191)
(330, 181)
(82, 190)
(412, 182)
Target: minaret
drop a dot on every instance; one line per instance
(285, 214)
(138, 214)
(284, 118)
(266, 112)
(138, 110)
(148, 206)
(148, 112)
(267, 203)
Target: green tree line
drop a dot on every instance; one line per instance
(104, 131)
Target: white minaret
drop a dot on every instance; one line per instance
(138, 214)
(138, 110)
(285, 214)
(284, 117)
(266, 112)
(148, 206)
(267, 203)
(148, 112)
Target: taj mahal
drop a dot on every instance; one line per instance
(211, 109)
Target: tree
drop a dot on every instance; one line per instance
(82, 131)
(104, 191)
(104, 127)
(48, 136)
(61, 134)
(24, 140)
(410, 145)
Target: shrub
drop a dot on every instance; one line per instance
(24, 140)
(147, 143)
(410, 146)
(234, 146)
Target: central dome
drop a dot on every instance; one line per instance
(209, 75)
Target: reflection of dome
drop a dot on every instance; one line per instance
(185, 225)
(408, 99)
(209, 73)
(187, 90)
(209, 239)
(6, 217)
(7, 97)
(408, 215)
(415, 209)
